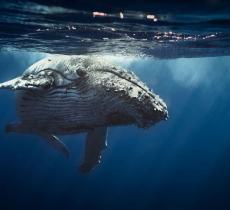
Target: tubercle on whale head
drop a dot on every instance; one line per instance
(151, 107)
(148, 108)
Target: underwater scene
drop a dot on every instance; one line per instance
(114, 105)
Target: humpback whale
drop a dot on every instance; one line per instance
(63, 94)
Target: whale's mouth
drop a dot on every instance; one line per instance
(21, 83)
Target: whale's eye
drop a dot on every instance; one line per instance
(81, 72)
(46, 86)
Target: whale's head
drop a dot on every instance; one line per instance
(122, 89)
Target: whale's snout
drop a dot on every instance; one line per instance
(153, 110)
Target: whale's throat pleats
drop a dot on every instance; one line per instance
(66, 109)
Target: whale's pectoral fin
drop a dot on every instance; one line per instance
(21, 83)
(95, 143)
(51, 139)
(56, 143)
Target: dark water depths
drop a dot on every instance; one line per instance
(182, 163)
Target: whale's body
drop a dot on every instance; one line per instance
(73, 94)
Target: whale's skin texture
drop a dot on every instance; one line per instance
(71, 94)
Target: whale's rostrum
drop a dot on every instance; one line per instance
(72, 94)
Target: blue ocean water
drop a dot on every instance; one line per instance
(182, 163)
